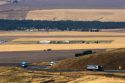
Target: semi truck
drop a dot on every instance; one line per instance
(94, 68)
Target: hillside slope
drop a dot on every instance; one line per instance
(98, 79)
(116, 15)
(109, 60)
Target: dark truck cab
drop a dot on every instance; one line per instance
(84, 53)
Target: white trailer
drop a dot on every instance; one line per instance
(44, 42)
(2, 41)
(94, 67)
(66, 41)
(52, 63)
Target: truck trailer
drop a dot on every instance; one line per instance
(94, 68)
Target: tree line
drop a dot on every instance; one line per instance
(59, 25)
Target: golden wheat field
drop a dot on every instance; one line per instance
(19, 75)
(98, 79)
(37, 47)
(114, 39)
(78, 14)
(59, 33)
(118, 40)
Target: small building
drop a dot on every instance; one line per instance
(52, 63)
(2, 41)
(66, 41)
(94, 30)
(44, 42)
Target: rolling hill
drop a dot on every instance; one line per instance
(70, 4)
(103, 15)
(110, 60)
(32, 9)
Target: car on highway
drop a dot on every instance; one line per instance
(52, 63)
(24, 64)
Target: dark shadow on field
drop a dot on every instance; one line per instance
(38, 56)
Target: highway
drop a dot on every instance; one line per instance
(47, 68)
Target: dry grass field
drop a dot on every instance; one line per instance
(78, 14)
(18, 75)
(38, 47)
(60, 33)
(37, 36)
(98, 79)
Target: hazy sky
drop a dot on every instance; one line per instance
(76, 3)
(72, 3)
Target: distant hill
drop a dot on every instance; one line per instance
(23, 7)
(109, 60)
(71, 4)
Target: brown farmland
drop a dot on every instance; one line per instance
(78, 14)
(37, 36)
